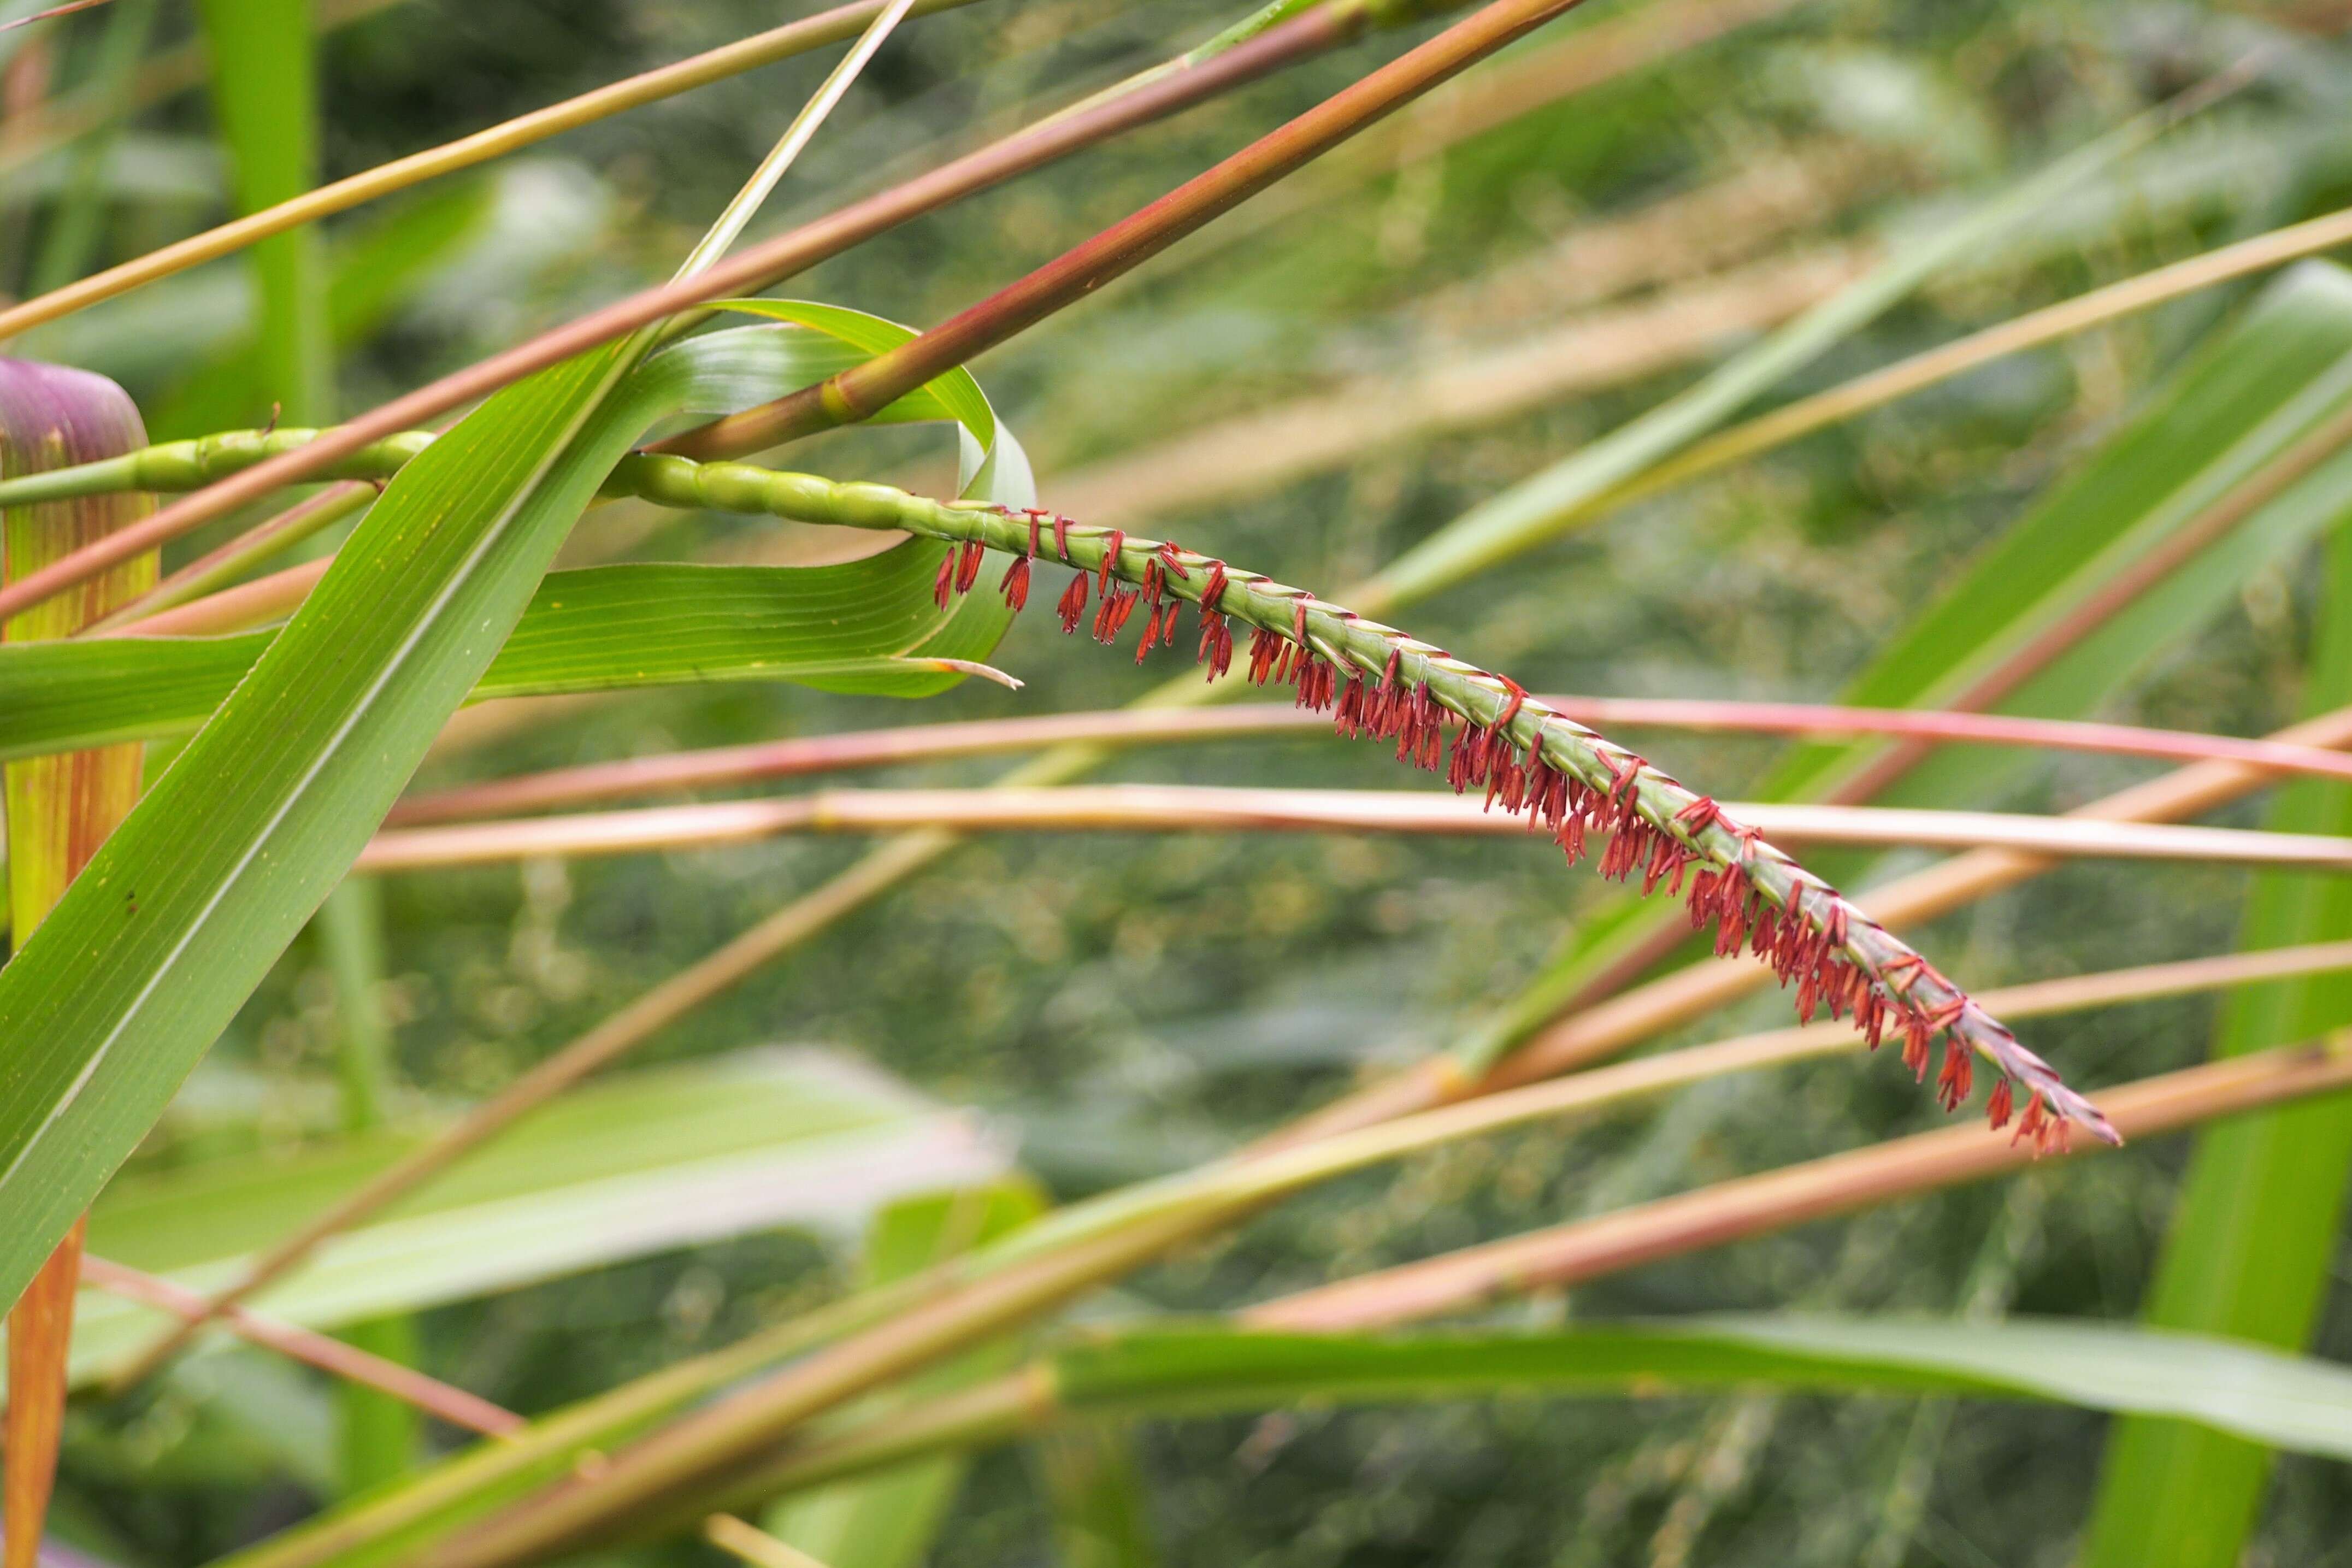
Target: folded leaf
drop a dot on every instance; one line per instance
(155, 948)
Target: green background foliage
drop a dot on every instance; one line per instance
(1120, 1007)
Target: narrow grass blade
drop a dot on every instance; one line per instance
(2255, 1223)
(865, 626)
(466, 1486)
(1178, 1369)
(72, 234)
(995, 474)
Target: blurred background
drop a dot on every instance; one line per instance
(1307, 388)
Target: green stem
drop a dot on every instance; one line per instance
(1363, 651)
(1359, 648)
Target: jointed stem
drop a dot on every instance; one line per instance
(1383, 682)
(1571, 777)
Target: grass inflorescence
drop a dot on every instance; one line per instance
(1376, 681)
(1527, 757)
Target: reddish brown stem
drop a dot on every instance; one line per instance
(410, 1386)
(1206, 809)
(863, 391)
(1133, 726)
(1757, 1206)
(757, 267)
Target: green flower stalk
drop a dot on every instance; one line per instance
(1375, 680)
(1529, 758)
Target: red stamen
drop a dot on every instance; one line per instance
(1073, 607)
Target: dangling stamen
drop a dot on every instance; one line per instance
(1073, 607)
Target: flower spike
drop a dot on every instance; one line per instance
(1526, 758)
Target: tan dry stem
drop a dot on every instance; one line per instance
(1755, 1206)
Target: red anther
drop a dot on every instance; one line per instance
(1036, 519)
(1348, 718)
(1623, 770)
(1916, 1036)
(2035, 1124)
(1298, 619)
(1213, 588)
(944, 583)
(1699, 815)
(1158, 629)
(1168, 555)
(1111, 615)
(1014, 583)
(1073, 607)
(1666, 860)
(1389, 673)
(967, 566)
(1062, 536)
(1870, 1015)
(1517, 700)
(1899, 973)
(1265, 646)
(1998, 1108)
(1952, 1085)
(1217, 644)
(1113, 543)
